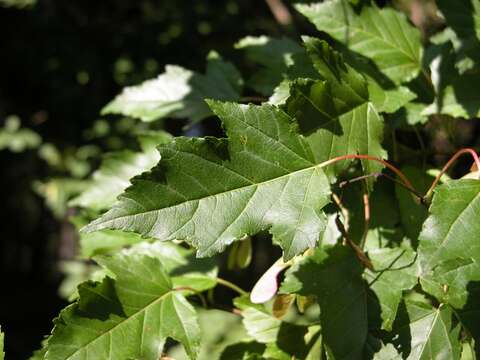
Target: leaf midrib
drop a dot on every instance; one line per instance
(93, 226)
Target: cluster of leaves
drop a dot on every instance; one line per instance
(376, 269)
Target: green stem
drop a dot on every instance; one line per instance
(232, 286)
(197, 293)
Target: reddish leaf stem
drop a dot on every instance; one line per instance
(366, 211)
(449, 163)
(385, 163)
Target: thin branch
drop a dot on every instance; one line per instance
(366, 212)
(232, 286)
(402, 177)
(449, 163)
(346, 239)
(253, 99)
(197, 293)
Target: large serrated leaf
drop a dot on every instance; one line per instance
(384, 36)
(449, 250)
(336, 110)
(211, 192)
(129, 317)
(179, 92)
(333, 275)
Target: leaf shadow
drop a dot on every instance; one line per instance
(99, 300)
(470, 314)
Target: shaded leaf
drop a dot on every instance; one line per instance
(273, 55)
(412, 212)
(184, 269)
(129, 317)
(424, 332)
(228, 330)
(243, 351)
(333, 274)
(395, 271)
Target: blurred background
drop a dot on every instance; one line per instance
(60, 63)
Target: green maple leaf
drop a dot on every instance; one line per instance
(334, 276)
(384, 36)
(128, 317)
(211, 192)
(179, 92)
(449, 252)
(336, 111)
(423, 332)
(395, 271)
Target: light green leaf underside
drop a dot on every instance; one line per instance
(449, 250)
(211, 192)
(384, 36)
(179, 93)
(129, 317)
